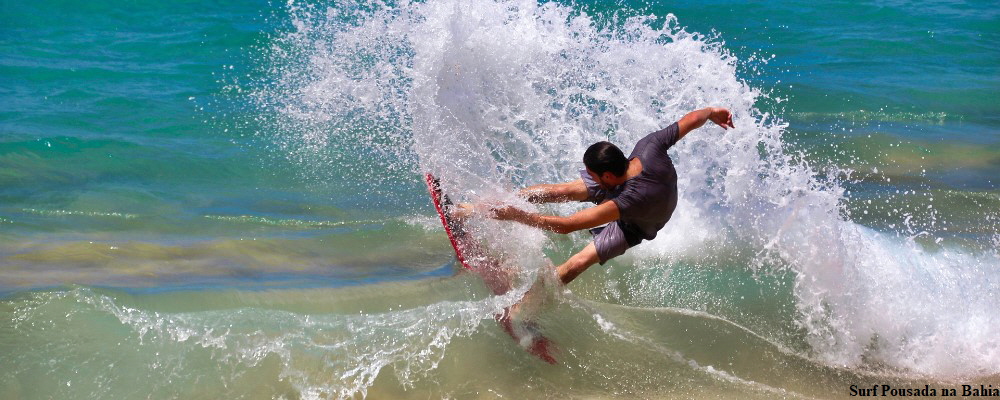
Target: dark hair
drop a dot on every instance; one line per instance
(604, 157)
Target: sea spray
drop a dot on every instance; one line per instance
(495, 95)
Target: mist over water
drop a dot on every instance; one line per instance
(800, 259)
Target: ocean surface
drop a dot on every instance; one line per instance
(225, 199)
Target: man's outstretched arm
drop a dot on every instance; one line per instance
(583, 219)
(544, 193)
(695, 119)
(556, 192)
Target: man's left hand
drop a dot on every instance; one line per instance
(721, 117)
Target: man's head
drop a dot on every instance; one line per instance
(606, 164)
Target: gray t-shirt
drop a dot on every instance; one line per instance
(645, 201)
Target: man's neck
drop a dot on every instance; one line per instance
(634, 168)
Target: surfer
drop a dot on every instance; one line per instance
(634, 196)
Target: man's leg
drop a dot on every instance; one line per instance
(578, 263)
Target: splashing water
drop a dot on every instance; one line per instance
(494, 95)
(318, 356)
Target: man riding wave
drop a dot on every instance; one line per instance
(634, 196)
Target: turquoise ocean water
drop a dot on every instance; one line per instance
(225, 199)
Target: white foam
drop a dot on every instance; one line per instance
(494, 95)
(322, 356)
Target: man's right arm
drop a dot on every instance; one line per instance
(556, 193)
(583, 219)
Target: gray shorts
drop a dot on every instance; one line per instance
(610, 240)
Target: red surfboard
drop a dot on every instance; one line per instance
(474, 258)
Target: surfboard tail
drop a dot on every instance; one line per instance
(543, 348)
(529, 336)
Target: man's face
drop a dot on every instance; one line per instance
(601, 182)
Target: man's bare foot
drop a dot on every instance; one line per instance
(536, 297)
(514, 311)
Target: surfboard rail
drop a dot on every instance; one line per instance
(440, 201)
